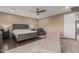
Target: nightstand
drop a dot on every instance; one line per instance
(41, 31)
(6, 34)
(1, 42)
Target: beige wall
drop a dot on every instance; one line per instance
(8, 19)
(50, 24)
(53, 24)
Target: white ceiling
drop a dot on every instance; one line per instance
(27, 10)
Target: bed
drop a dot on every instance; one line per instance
(22, 32)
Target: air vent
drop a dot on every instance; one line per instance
(75, 9)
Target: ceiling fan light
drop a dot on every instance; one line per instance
(12, 10)
(67, 7)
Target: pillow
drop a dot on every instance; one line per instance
(31, 27)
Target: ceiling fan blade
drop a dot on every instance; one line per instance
(41, 11)
(75, 9)
(38, 11)
(31, 11)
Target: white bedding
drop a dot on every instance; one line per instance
(22, 31)
(22, 34)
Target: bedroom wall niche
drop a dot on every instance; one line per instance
(9, 19)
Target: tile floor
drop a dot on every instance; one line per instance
(69, 46)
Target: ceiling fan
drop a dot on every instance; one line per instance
(38, 11)
(76, 8)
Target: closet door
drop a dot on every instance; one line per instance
(69, 25)
(77, 25)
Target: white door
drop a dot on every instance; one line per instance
(69, 25)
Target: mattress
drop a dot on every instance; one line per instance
(22, 34)
(22, 31)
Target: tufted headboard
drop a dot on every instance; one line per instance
(20, 26)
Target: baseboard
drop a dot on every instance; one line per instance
(66, 38)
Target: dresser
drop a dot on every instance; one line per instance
(6, 34)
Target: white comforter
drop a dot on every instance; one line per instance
(22, 31)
